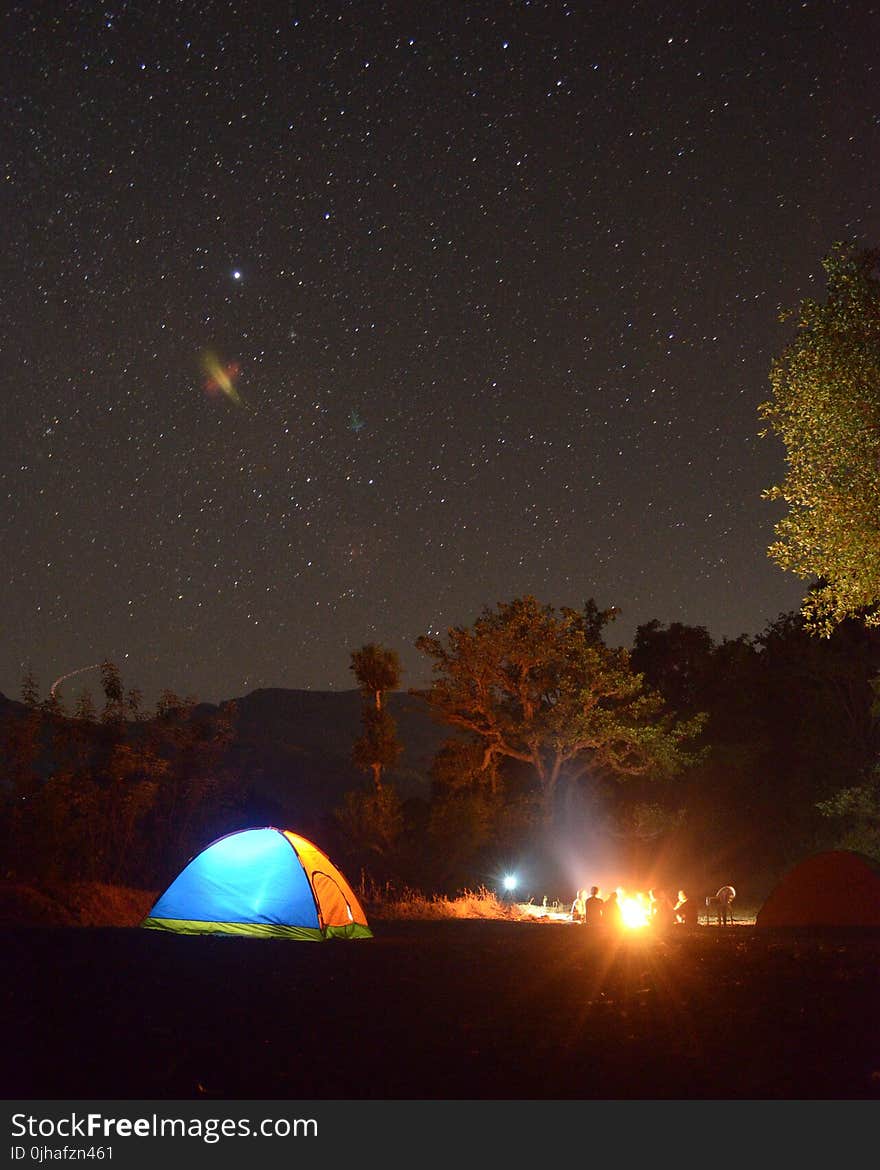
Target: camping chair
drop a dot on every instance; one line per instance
(721, 906)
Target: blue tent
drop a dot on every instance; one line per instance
(267, 883)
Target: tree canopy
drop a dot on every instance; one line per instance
(826, 410)
(535, 684)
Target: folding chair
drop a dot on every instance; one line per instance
(724, 898)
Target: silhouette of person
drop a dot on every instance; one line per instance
(611, 911)
(593, 907)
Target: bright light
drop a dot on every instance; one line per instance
(634, 910)
(510, 882)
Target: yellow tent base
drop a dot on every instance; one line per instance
(353, 930)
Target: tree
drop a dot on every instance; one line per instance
(377, 671)
(856, 814)
(475, 814)
(675, 660)
(541, 687)
(826, 410)
(198, 796)
(372, 821)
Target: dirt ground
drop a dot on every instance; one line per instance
(442, 1010)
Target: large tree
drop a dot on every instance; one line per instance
(537, 685)
(826, 410)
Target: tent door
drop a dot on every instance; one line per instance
(333, 906)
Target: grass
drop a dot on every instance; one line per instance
(396, 905)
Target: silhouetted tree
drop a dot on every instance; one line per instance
(119, 797)
(198, 797)
(372, 823)
(789, 726)
(475, 814)
(675, 660)
(377, 670)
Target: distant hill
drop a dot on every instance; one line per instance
(329, 722)
(294, 747)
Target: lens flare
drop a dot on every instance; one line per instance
(221, 377)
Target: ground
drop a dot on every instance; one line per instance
(442, 1010)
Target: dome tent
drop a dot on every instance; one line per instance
(261, 883)
(838, 888)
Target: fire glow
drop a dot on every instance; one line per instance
(635, 911)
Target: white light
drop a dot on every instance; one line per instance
(510, 882)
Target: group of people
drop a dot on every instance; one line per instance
(592, 910)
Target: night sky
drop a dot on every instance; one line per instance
(326, 324)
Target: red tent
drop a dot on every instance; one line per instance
(837, 888)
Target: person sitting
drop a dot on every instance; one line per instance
(593, 907)
(685, 910)
(577, 906)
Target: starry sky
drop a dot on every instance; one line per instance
(333, 323)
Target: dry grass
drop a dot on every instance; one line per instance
(395, 905)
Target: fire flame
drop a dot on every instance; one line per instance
(634, 910)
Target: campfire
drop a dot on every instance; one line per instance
(635, 909)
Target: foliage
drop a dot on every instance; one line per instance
(536, 685)
(118, 797)
(675, 660)
(826, 410)
(855, 810)
(648, 820)
(790, 724)
(372, 822)
(378, 748)
(377, 670)
(198, 797)
(856, 813)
